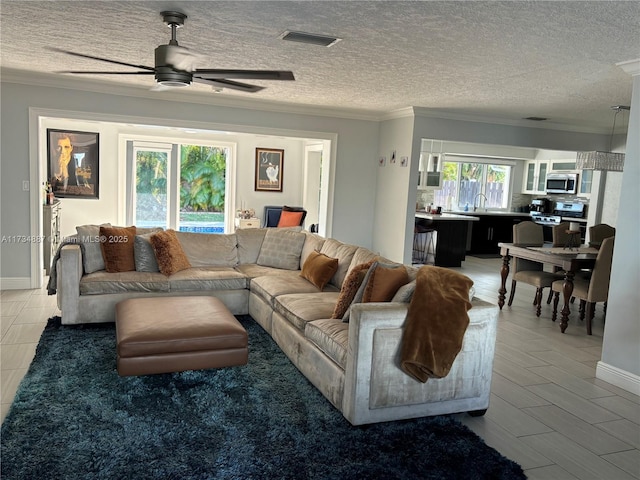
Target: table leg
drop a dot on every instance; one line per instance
(504, 273)
(567, 290)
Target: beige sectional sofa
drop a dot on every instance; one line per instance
(257, 272)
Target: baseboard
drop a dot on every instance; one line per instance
(15, 283)
(618, 377)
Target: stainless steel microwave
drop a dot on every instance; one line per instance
(562, 183)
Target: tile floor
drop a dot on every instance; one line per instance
(548, 412)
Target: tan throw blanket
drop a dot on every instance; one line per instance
(436, 322)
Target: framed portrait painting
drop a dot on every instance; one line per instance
(73, 163)
(269, 163)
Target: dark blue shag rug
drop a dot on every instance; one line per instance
(74, 418)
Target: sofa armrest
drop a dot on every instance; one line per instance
(376, 389)
(69, 272)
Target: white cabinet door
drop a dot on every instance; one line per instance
(535, 174)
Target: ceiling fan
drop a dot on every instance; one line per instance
(175, 66)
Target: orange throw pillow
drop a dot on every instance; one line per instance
(318, 269)
(116, 244)
(290, 219)
(169, 253)
(384, 283)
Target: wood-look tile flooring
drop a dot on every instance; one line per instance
(548, 412)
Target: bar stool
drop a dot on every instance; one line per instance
(424, 242)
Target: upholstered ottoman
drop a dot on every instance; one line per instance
(173, 334)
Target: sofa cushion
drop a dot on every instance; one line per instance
(169, 254)
(362, 255)
(312, 243)
(89, 239)
(349, 288)
(209, 250)
(319, 269)
(344, 253)
(207, 278)
(252, 270)
(281, 249)
(103, 283)
(145, 257)
(116, 244)
(249, 243)
(331, 336)
(272, 286)
(301, 308)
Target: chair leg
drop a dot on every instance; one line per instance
(535, 298)
(581, 309)
(573, 299)
(513, 292)
(538, 301)
(591, 307)
(550, 296)
(556, 299)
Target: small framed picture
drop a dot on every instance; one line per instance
(382, 161)
(73, 163)
(393, 157)
(269, 163)
(404, 161)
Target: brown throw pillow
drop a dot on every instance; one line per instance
(117, 244)
(169, 253)
(384, 282)
(318, 269)
(349, 288)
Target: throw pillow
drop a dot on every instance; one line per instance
(405, 293)
(89, 239)
(281, 248)
(144, 255)
(349, 288)
(390, 279)
(384, 283)
(289, 219)
(117, 248)
(169, 253)
(318, 269)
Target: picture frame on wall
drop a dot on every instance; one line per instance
(73, 163)
(269, 169)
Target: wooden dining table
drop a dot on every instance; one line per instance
(571, 260)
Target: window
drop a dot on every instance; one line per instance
(465, 183)
(180, 186)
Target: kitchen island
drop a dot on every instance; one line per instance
(451, 236)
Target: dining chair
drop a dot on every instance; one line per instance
(530, 234)
(559, 235)
(597, 233)
(590, 290)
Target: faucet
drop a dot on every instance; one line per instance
(475, 207)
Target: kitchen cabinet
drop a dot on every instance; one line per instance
(562, 166)
(584, 184)
(492, 229)
(535, 174)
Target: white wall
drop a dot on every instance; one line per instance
(620, 363)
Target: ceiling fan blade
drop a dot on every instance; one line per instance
(222, 83)
(92, 57)
(84, 72)
(215, 73)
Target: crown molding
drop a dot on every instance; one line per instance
(632, 67)
(22, 77)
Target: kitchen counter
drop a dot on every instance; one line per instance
(451, 236)
(498, 213)
(446, 216)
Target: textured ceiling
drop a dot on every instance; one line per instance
(504, 60)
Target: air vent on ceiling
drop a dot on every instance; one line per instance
(312, 38)
(536, 119)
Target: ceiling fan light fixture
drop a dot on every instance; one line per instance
(310, 38)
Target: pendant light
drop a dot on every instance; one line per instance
(595, 160)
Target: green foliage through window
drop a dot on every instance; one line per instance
(202, 178)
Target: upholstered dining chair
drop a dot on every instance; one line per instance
(559, 235)
(590, 290)
(530, 234)
(597, 233)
